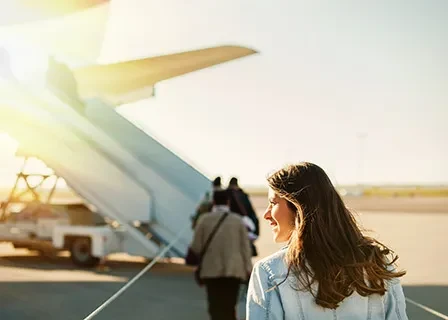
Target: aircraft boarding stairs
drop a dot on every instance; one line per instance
(127, 175)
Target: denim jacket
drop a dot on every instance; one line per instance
(270, 299)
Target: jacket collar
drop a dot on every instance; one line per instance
(220, 208)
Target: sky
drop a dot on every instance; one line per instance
(360, 88)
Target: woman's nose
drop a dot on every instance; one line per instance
(267, 213)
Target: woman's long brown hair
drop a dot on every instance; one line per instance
(327, 248)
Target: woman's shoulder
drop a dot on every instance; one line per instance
(274, 265)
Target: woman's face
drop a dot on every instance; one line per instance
(280, 216)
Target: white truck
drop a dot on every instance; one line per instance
(87, 244)
(29, 221)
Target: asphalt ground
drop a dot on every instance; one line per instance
(43, 287)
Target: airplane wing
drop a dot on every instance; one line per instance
(24, 11)
(129, 81)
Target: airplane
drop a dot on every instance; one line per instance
(70, 122)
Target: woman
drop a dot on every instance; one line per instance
(329, 269)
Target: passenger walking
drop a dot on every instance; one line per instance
(222, 248)
(240, 203)
(329, 269)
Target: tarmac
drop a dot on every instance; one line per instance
(51, 288)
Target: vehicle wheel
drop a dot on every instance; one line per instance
(81, 252)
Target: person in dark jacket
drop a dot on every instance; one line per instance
(240, 203)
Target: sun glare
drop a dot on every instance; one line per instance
(10, 165)
(7, 144)
(28, 63)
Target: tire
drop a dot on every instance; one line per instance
(81, 252)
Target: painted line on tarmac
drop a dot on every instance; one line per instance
(428, 309)
(130, 282)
